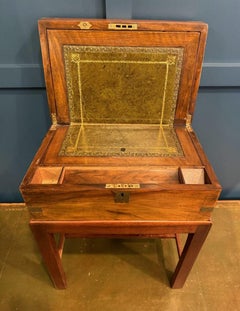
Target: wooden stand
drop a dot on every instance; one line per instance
(51, 250)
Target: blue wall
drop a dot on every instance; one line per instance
(24, 117)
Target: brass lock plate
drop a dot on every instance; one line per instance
(122, 197)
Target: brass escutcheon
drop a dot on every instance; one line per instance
(122, 197)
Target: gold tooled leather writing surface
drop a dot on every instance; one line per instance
(122, 100)
(120, 140)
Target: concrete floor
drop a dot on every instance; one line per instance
(126, 275)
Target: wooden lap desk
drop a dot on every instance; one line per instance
(121, 158)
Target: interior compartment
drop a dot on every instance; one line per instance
(193, 176)
(121, 175)
(46, 175)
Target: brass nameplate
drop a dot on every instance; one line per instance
(123, 26)
(122, 186)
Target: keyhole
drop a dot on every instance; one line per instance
(121, 197)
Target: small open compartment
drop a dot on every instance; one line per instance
(193, 176)
(46, 175)
(120, 175)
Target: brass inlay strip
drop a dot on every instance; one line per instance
(123, 186)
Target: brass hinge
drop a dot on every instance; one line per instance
(54, 121)
(123, 26)
(205, 209)
(35, 209)
(189, 122)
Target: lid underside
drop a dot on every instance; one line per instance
(122, 84)
(121, 93)
(122, 101)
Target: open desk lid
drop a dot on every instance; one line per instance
(122, 72)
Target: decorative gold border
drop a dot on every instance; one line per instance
(165, 143)
(175, 57)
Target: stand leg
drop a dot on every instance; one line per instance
(189, 254)
(50, 254)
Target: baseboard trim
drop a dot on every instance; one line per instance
(228, 204)
(12, 207)
(22, 206)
